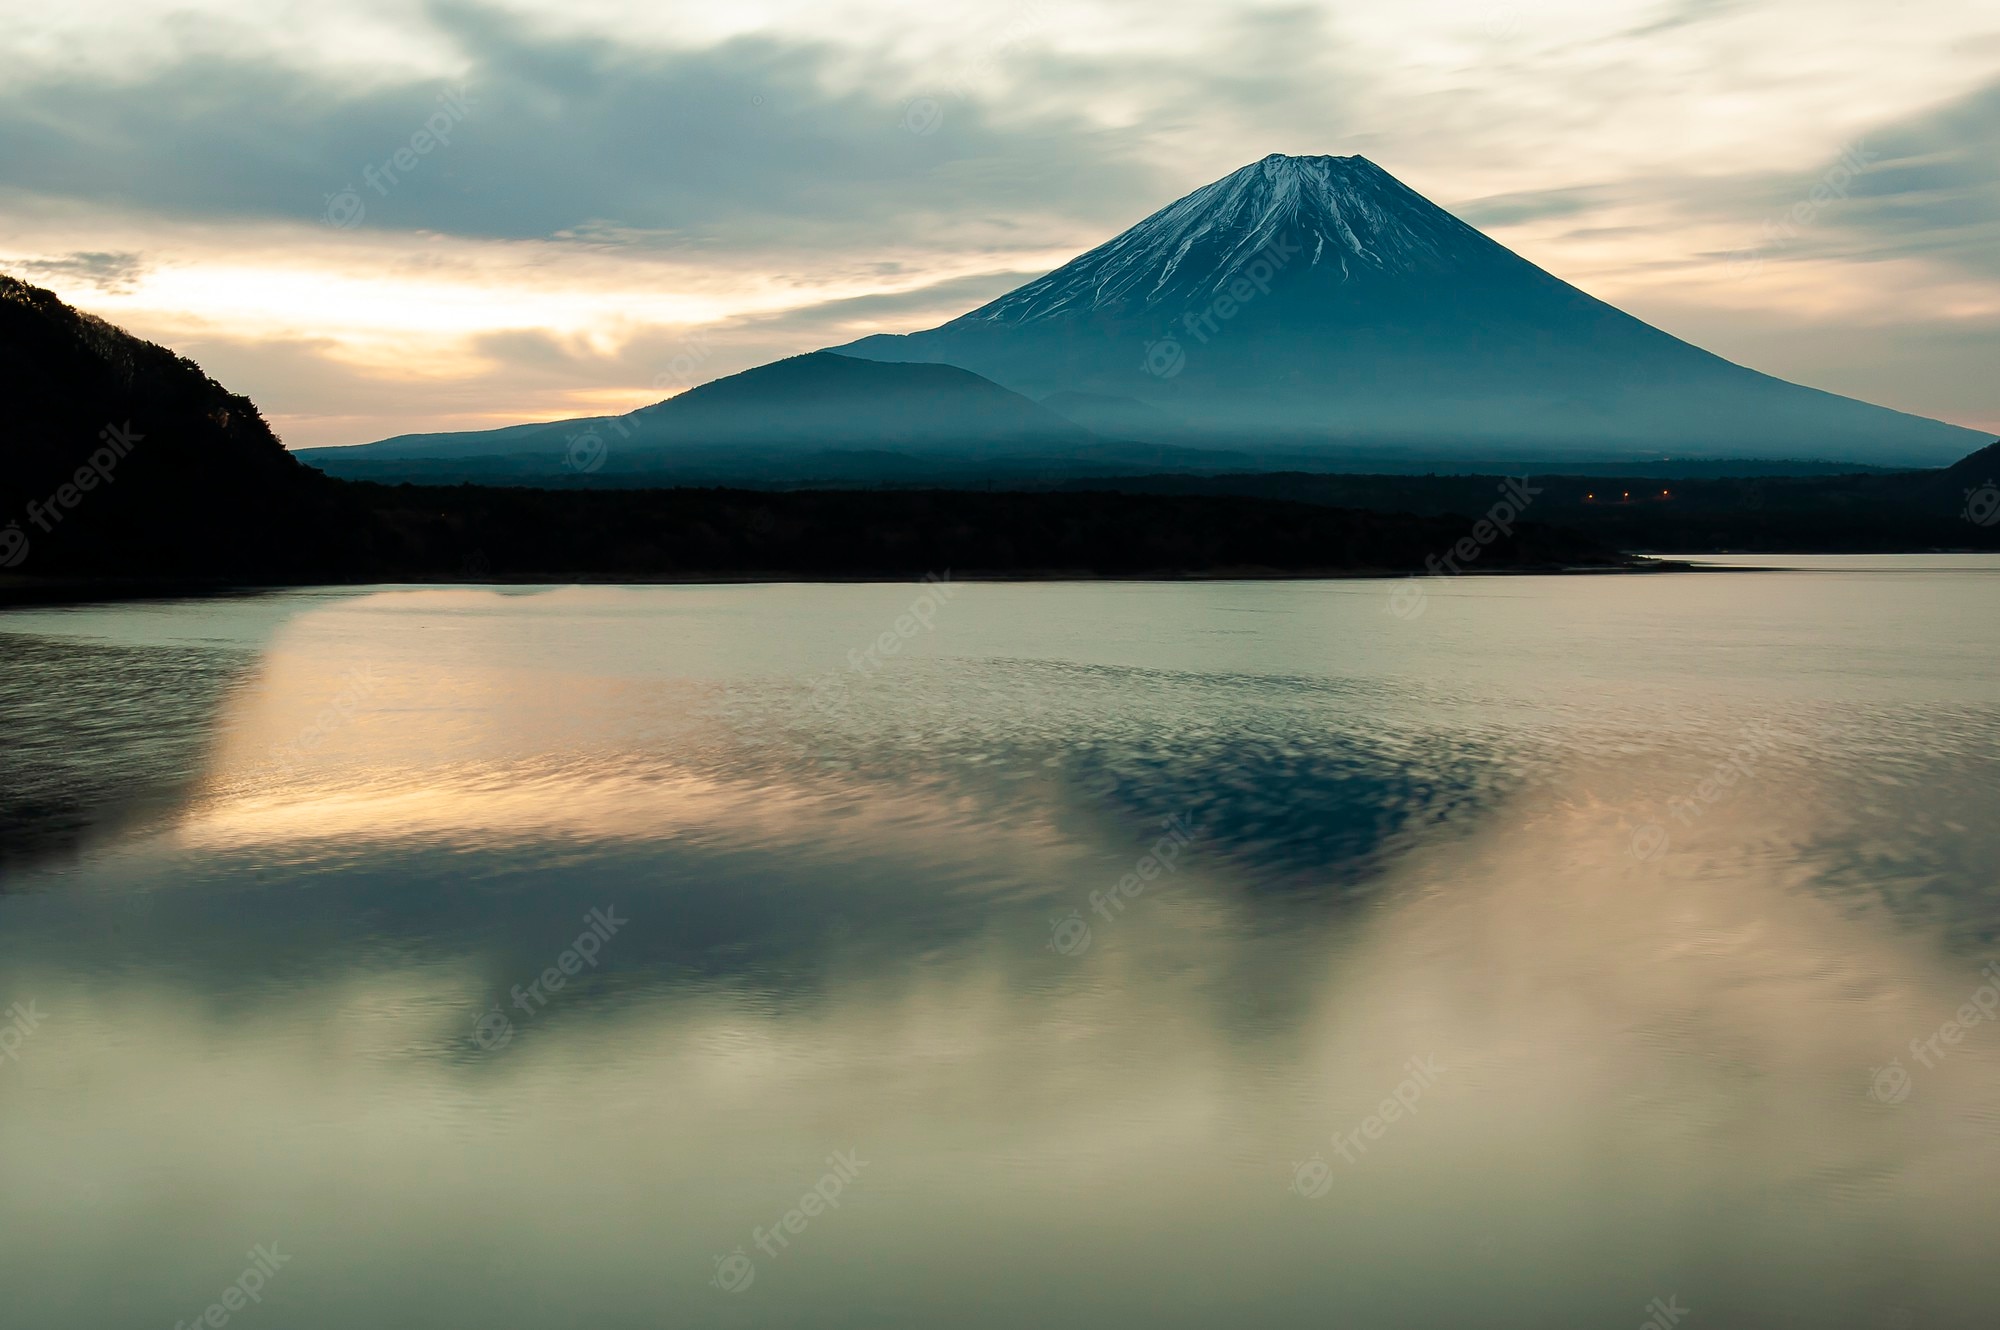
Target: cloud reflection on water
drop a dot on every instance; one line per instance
(261, 1014)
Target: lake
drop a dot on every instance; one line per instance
(1533, 951)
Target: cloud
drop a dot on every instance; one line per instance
(105, 271)
(573, 135)
(835, 320)
(1685, 13)
(1528, 206)
(1925, 187)
(1934, 186)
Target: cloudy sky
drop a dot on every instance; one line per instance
(376, 216)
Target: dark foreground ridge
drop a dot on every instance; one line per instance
(120, 459)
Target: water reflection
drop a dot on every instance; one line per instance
(102, 738)
(1656, 1072)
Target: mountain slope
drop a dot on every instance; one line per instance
(1318, 303)
(120, 458)
(830, 400)
(803, 405)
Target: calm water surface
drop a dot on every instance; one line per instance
(626, 957)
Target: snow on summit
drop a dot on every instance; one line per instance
(1343, 212)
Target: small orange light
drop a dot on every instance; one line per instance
(1628, 494)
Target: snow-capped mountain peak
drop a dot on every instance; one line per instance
(1299, 213)
(1318, 302)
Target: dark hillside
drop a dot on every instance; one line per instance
(120, 458)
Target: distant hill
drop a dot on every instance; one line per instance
(803, 407)
(1319, 305)
(120, 458)
(1980, 468)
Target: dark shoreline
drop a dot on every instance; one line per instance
(18, 593)
(1246, 527)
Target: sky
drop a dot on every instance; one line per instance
(376, 217)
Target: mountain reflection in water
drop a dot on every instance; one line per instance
(323, 985)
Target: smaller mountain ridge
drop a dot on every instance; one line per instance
(827, 400)
(1978, 468)
(812, 403)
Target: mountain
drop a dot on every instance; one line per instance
(1319, 305)
(827, 400)
(805, 406)
(119, 458)
(1980, 468)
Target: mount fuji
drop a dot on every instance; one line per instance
(1318, 306)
